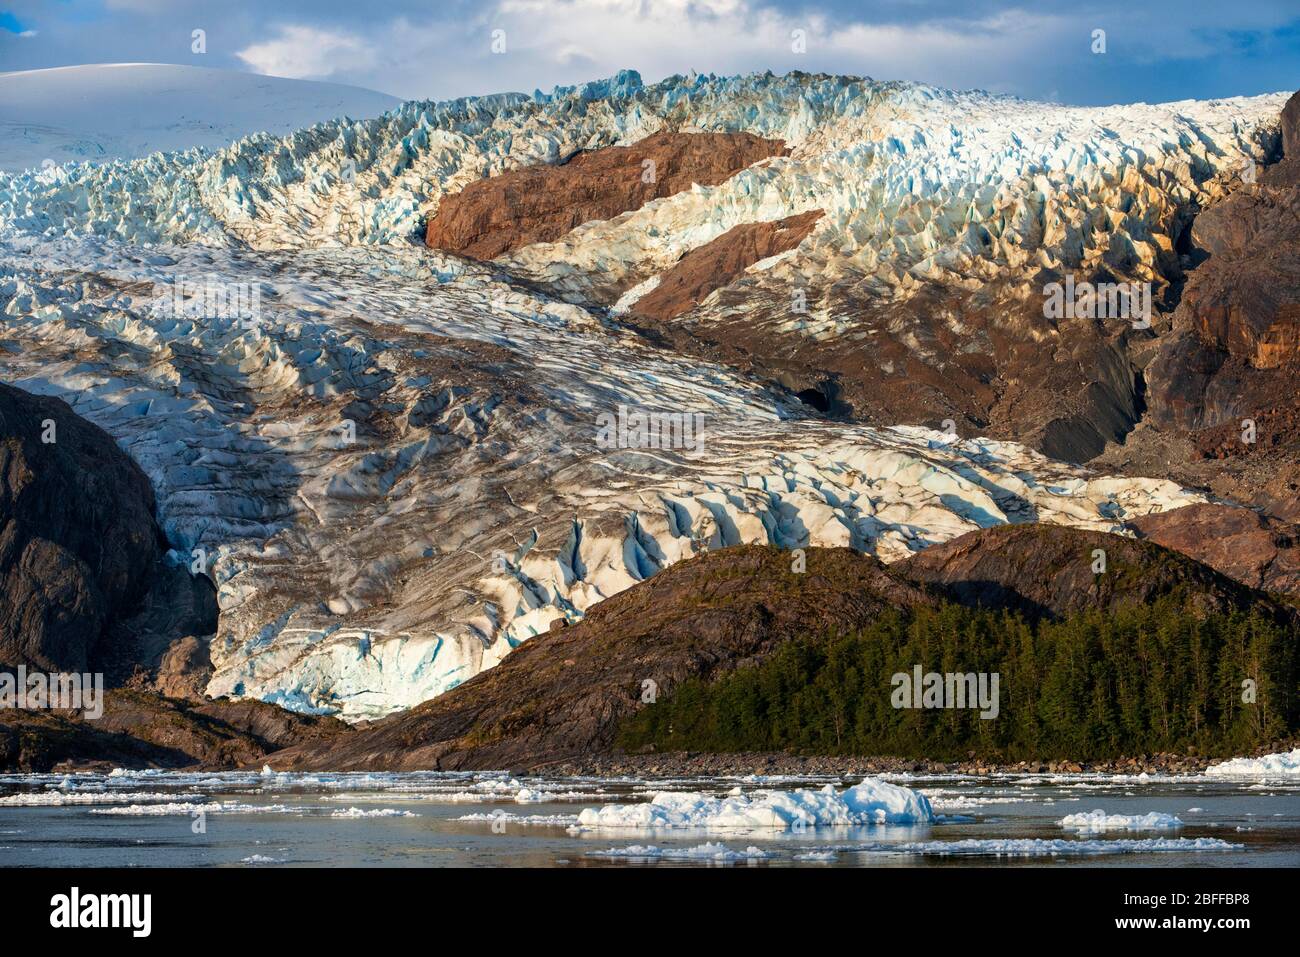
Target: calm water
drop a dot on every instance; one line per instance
(415, 820)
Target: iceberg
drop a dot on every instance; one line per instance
(871, 802)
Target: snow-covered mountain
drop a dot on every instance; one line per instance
(392, 465)
(108, 111)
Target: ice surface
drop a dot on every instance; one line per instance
(871, 802)
(1285, 764)
(1099, 820)
(701, 852)
(64, 799)
(1034, 847)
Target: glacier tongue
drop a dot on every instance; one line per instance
(392, 470)
(476, 504)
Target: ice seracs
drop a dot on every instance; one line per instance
(391, 471)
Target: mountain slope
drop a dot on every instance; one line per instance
(111, 111)
(1057, 572)
(562, 694)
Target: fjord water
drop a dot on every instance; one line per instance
(248, 819)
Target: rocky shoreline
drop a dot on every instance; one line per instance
(694, 764)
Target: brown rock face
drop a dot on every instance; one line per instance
(1236, 346)
(1245, 301)
(1234, 353)
(541, 203)
(717, 263)
(561, 695)
(142, 729)
(1047, 570)
(1235, 541)
(184, 669)
(78, 541)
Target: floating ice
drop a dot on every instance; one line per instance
(871, 802)
(701, 852)
(63, 799)
(1099, 820)
(356, 812)
(1285, 764)
(1034, 847)
(505, 817)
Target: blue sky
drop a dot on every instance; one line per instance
(1155, 50)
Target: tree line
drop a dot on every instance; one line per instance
(1099, 685)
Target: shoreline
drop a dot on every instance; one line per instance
(700, 764)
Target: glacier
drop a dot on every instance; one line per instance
(391, 471)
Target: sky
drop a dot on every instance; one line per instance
(1079, 52)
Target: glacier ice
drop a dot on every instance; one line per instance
(391, 472)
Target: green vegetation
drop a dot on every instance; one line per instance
(1139, 680)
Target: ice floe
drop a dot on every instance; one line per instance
(1285, 764)
(356, 812)
(536, 820)
(871, 802)
(701, 852)
(65, 799)
(1099, 820)
(1036, 847)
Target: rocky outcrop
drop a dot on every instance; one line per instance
(1236, 345)
(1045, 570)
(141, 729)
(1223, 386)
(717, 263)
(78, 540)
(538, 204)
(183, 671)
(562, 694)
(1236, 541)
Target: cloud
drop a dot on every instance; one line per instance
(1157, 49)
(556, 42)
(304, 52)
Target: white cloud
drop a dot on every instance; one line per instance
(302, 52)
(550, 42)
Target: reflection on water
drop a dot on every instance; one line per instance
(428, 819)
